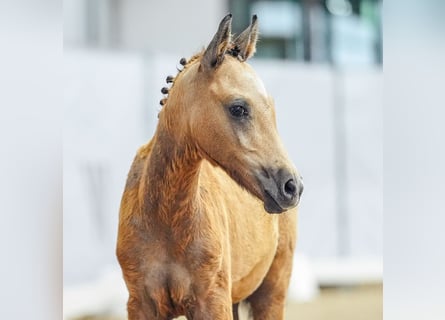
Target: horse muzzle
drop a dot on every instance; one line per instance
(281, 189)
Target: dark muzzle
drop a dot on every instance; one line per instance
(282, 189)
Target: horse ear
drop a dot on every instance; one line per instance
(246, 41)
(214, 54)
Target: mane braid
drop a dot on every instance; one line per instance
(171, 79)
(234, 51)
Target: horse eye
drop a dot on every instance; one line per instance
(238, 111)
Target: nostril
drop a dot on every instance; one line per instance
(290, 188)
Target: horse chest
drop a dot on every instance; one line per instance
(174, 284)
(251, 259)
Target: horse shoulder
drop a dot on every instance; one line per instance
(129, 203)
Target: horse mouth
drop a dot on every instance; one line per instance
(281, 190)
(270, 205)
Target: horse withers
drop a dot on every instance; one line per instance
(208, 215)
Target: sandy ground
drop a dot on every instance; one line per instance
(353, 303)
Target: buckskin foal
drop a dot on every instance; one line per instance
(196, 233)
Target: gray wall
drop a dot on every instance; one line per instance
(142, 25)
(152, 25)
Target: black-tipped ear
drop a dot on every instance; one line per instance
(245, 43)
(214, 54)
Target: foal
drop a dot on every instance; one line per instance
(196, 233)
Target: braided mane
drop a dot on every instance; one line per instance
(233, 51)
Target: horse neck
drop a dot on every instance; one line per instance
(170, 185)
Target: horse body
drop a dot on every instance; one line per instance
(195, 233)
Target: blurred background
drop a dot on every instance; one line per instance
(322, 62)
